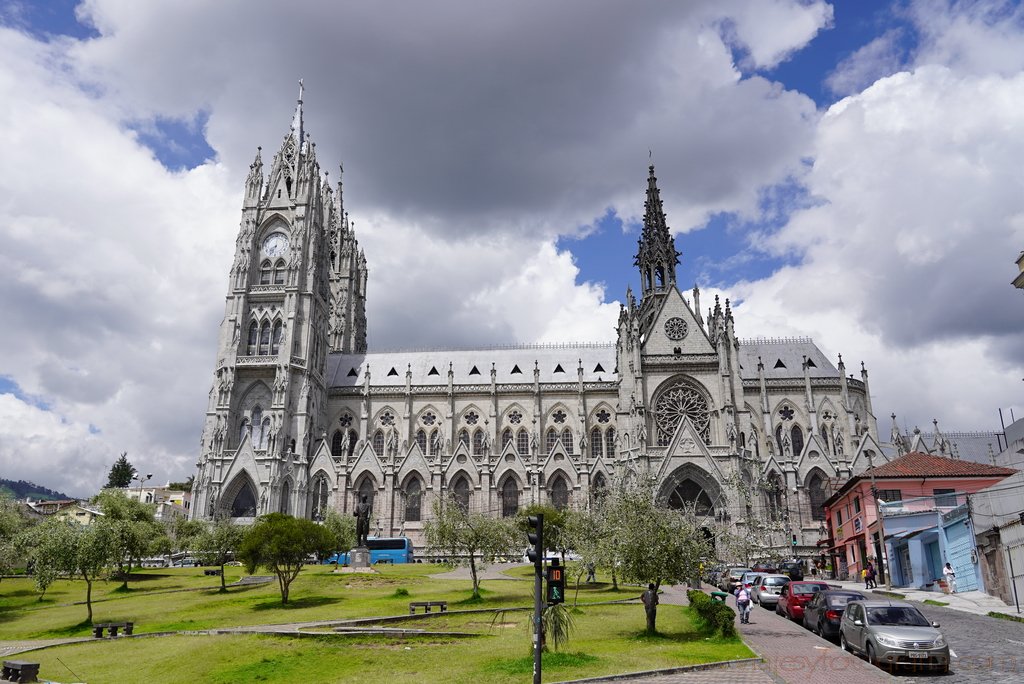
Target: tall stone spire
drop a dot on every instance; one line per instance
(656, 255)
(297, 131)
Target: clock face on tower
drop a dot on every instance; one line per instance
(275, 245)
(675, 328)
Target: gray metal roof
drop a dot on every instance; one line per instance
(512, 365)
(784, 357)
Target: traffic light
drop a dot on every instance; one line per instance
(536, 538)
(794, 540)
(556, 583)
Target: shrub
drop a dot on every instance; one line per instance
(712, 616)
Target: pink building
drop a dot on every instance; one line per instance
(913, 491)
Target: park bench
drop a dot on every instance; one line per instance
(427, 605)
(112, 627)
(20, 671)
(385, 561)
(214, 572)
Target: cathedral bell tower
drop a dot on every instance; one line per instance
(297, 290)
(656, 255)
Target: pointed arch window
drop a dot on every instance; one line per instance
(595, 443)
(254, 339)
(523, 442)
(275, 338)
(552, 439)
(778, 439)
(321, 492)
(816, 493)
(464, 437)
(460, 493)
(413, 500)
(264, 434)
(266, 272)
(243, 429)
(421, 440)
(797, 436)
(264, 339)
(567, 441)
(560, 493)
(353, 436)
(773, 496)
(244, 504)
(279, 272)
(609, 442)
(337, 443)
(509, 497)
(378, 442)
(506, 437)
(478, 443)
(599, 487)
(435, 442)
(824, 438)
(286, 497)
(688, 493)
(257, 427)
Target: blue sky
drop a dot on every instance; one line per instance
(845, 171)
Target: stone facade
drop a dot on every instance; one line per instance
(302, 418)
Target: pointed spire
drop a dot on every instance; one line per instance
(297, 132)
(656, 254)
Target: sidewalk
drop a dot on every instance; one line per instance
(976, 602)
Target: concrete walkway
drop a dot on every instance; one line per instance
(976, 602)
(494, 571)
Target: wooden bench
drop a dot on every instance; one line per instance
(112, 627)
(215, 572)
(20, 671)
(427, 605)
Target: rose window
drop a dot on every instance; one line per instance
(472, 417)
(603, 416)
(429, 418)
(675, 328)
(678, 401)
(387, 418)
(346, 420)
(786, 413)
(559, 416)
(515, 417)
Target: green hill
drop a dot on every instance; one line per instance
(20, 489)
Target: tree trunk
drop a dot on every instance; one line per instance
(472, 572)
(88, 596)
(615, 581)
(223, 587)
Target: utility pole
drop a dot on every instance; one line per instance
(536, 554)
(881, 525)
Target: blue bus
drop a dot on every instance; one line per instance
(382, 550)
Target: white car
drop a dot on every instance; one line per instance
(767, 588)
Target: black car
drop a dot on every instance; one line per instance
(795, 570)
(824, 612)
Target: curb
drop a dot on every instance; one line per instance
(682, 669)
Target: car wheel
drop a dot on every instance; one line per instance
(819, 629)
(844, 644)
(869, 652)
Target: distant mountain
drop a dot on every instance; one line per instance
(20, 489)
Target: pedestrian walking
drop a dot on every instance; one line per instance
(871, 584)
(591, 577)
(650, 600)
(950, 576)
(864, 578)
(743, 603)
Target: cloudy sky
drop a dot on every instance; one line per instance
(847, 171)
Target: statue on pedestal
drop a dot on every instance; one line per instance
(362, 515)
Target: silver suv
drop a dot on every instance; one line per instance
(892, 633)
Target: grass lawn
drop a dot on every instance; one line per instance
(608, 638)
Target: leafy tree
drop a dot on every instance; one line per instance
(655, 544)
(282, 544)
(342, 529)
(131, 527)
(63, 547)
(554, 523)
(120, 473)
(471, 539)
(182, 532)
(12, 524)
(217, 544)
(185, 486)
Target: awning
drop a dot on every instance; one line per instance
(906, 534)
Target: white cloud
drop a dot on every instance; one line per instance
(879, 58)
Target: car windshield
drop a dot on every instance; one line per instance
(738, 572)
(807, 588)
(776, 581)
(840, 600)
(897, 616)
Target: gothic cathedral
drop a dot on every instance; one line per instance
(302, 418)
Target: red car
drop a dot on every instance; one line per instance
(795, 596)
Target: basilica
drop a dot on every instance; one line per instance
(303, 418)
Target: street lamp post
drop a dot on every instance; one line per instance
(140, 479)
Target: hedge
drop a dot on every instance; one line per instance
(712, 616)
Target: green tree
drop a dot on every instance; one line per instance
(12, 525)
(185, 486)
(67, 548)
(342, 529)
(554, 523)
(470, 539)
(282, 544)
(120, 473)
(655, 544)
(132, 528)
(217, 544)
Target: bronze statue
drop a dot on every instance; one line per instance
(362, 515)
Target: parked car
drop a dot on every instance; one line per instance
(892, 633)
(731, 578)
(794, 597)
(824, 612)
(767, 588)
(714, 575)
(793, 568)
(749, 577)
(765, 568)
